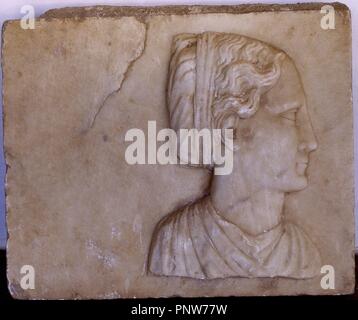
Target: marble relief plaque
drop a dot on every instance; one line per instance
(179, 151)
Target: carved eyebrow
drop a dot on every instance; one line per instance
(278, 109)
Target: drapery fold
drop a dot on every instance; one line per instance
(197, 242)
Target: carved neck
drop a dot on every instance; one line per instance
(255, 214)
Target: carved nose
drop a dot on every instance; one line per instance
(308, 146)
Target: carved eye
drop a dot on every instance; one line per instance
(244, 96)
(289, 116)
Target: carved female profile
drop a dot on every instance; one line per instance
(239, 229)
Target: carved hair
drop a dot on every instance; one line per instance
(214, 75)
(232, 67)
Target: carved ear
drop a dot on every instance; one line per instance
(230, 120)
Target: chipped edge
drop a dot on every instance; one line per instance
(141, 12)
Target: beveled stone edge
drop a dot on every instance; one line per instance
(141, 11)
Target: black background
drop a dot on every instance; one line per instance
(236, 306)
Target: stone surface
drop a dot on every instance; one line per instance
(92, 225)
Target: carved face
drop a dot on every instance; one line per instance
(275, 143)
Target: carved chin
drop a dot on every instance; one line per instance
(292, 183)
